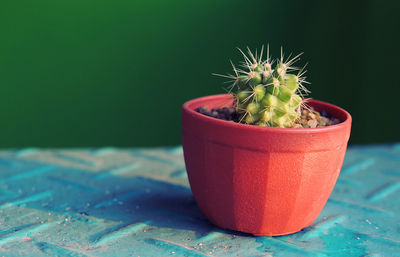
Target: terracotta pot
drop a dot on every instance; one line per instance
(261, 180)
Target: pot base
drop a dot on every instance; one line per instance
(279, 234)
(262, 233)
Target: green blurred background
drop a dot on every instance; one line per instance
(100, 73)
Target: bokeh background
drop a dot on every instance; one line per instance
(79, 73)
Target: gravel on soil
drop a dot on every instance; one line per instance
(309, 118)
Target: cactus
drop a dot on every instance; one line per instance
(268, 94)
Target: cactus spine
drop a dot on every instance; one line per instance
(268, 95)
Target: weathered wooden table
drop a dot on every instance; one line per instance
(137, 202)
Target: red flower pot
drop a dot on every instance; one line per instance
(261, 180)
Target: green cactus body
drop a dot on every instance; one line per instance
(267, 95)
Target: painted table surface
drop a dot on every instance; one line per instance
(137, 202)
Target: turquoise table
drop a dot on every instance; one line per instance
(137, 202)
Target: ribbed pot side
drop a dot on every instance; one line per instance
(261, 180)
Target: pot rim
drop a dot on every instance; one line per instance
(190, 109)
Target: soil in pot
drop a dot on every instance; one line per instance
(309, 118)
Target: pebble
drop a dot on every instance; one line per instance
(311, 118)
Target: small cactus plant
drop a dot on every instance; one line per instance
(267, 94)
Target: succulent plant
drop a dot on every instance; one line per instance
(266, 91)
